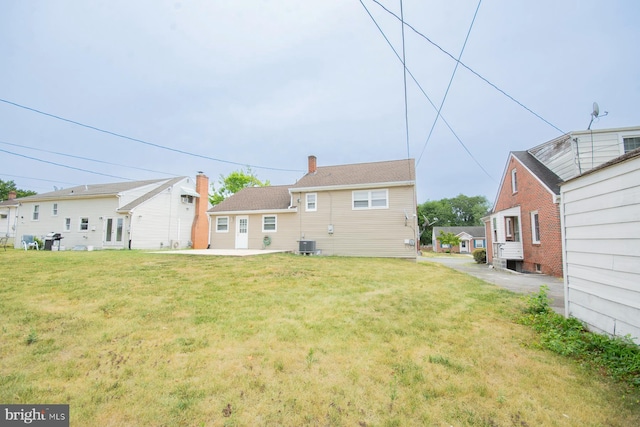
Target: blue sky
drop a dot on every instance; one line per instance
(267, 83)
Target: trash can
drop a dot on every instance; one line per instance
(49, 240)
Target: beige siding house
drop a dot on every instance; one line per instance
(150, 214)
(365, 209)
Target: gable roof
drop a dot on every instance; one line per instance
(543, 173)
(148, 195)
(273, 197)
(473, 231)
(90, 191)
(359, 174)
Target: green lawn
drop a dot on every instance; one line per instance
(131, 338)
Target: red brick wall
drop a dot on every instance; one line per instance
(532, 196)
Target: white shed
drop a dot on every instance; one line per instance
(600, 213)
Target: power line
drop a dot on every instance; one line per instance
(39, 179)
(142, 141)
(470, 69)
(84, 158)
(423, 91)
(64, 166)
(404, 75)
(444, 98)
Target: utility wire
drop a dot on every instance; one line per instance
(64, 166)
(470, 69)
(84, 158)
(424, 92)
(142, 141)
(38, 179)
(404, 75)
(444, 98)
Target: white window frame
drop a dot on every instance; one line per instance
(67, 224)
(309, 202)
(275, 223)
(478, 243)
(36, 213)
(83, 223)
(368, 196)
(514, 180)
(218, 224)
(535, 234)
(624, 150)
(54, 210)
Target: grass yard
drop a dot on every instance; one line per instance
(138, 339)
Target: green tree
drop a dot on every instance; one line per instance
(448, 239)
(458, 211)
(8, 186)
(234, 182)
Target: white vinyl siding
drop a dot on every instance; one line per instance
(222, 224)
(601, 226)
(370, 199)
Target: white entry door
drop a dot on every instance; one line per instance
(242, 232)
(113, 231)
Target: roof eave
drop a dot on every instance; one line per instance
(351, 186)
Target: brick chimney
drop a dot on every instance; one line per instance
(12, 195)
(312, 164)
(200, 228)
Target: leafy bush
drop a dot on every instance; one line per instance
(480, 255)
(619, 357)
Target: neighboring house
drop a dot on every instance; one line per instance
(8, 209)
(151, 214)
(523, 228)
(601, 228)
(471, 238)
(365, 209)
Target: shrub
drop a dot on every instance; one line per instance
(619, 357)
(480, 255)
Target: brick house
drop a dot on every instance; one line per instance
(471, 238)
(523, 228)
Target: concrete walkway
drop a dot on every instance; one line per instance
(513, 281)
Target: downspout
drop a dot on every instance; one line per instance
(564, 258)
(130, 218)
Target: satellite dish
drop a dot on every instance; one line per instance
(596, 110)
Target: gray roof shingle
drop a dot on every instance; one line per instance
(256, 198)
(474, 231)
(548, 177)
(359, 173)
(92, 190)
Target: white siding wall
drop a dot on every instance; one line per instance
(601, 225)
(162, 220)
(74, 209)
(506, 250)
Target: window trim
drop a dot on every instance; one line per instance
(35, 216)
(369, 199)
(535, 231)
(630, 136)
(478, 243)
(514, 180)
(67, 225)
(275, 223)
(315, 202)
(218, 229)
(81, 223)
(54, 209)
